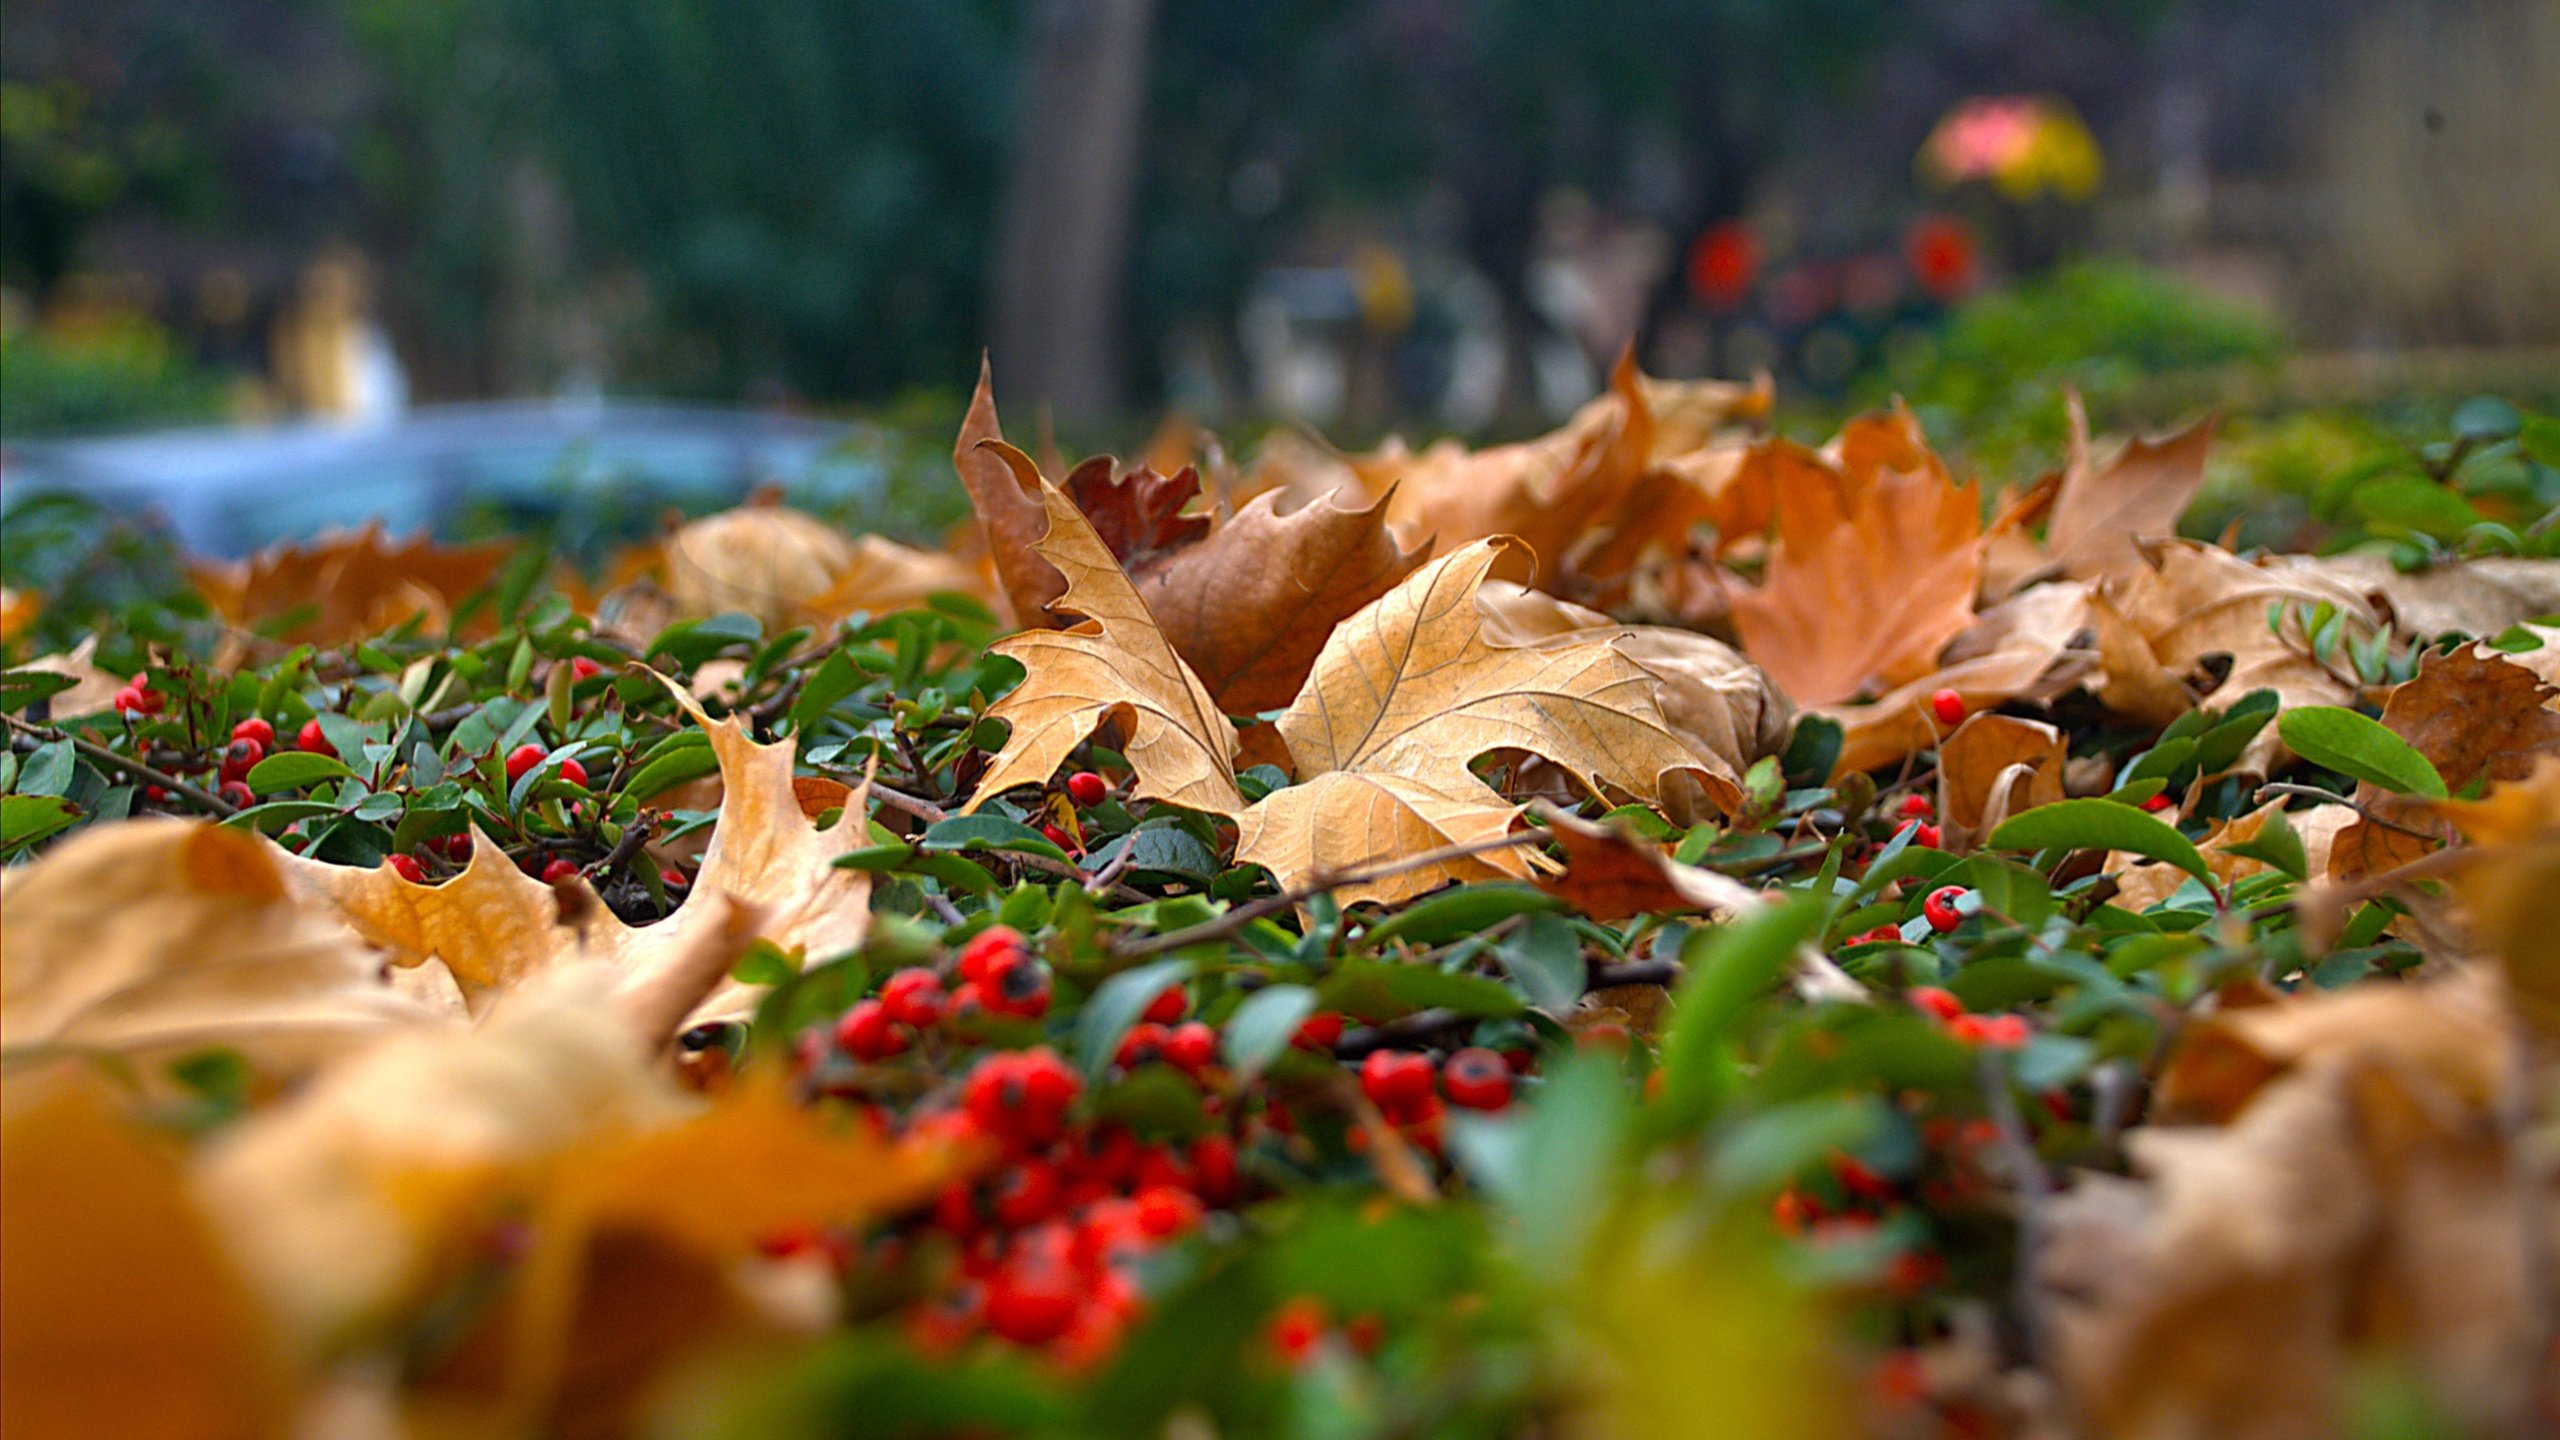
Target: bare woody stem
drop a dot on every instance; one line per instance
(128, 765)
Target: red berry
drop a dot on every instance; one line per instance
(1882, 934)
(1320, 1031)
(1476, 1079)
(1060, 838)
(1026, 1194)
(1948, 707)
(522, 759)
(574, 773)
(408, 868)
(236, 795)
(2005, 1032)
(2157, 803)
(1927, 838)
(867, 1033)
(559, 870)
(1940, 907)
(1916, 806)
(1794, 1210)
(967, 1002)
(1190, 1047)
(128, 702)
(1296, 1329)
(256, 729)
(1017, 985)
(1086, 788)
(1168, 1006)
(1033, 1298)
(978, 957)
(1022, 1096)
(311, 741)
(1395, 1080)
(1933, 1001)
(239, 757)
(1971, 1029)
(913, 997)
(582, 668)
(1144, 1042)
(1164, 1212)
(1213, 1168)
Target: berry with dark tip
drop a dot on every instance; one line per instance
(1476, 1079)
(1940, 908)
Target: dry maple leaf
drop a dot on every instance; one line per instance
(1403, 699)
(93, 690)
(2474, 714)
(349, 584)
(1874, 572)
(2354, 1196)
(1011, 519)
(2032, 646)
(159, 937)
(1115, 664)
(493, 925)
(1249, 606)
(2509, 878)
(2481, 596)
(1611, 874)
(2101, 512)
(787, 568)
(2191, 607)
(1719, 704)
(1138, 513)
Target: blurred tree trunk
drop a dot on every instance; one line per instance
(1063, 244)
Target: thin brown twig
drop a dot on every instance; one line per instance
(2314, 792)
(128, 765)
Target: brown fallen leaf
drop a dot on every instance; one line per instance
(1011, 519)
(2355, 1197)
(2508, 881)
(787, 568)
(1115, 663)
(93, 691)
(344, 1202)
(1547, 491)
(1993, 767)
(1407, 694)
(1610, 873)
(348, 585)
(2141, 884)
(1874, 572)
(2474, 714)
(2032, 646)
(1249, 606)
(120, 1313)
(494, 926)
(2478, 597)
(1138, 513)
(1719, 704)
(2102, 512)
(2192, 603)
(157, 937)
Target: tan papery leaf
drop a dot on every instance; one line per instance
(1115, 663)
(347, 585)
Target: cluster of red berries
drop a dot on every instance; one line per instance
(998, 976)
(1849, 1205)
(522, 760)
(1998, 1032)
(1300, 1324)
(1920, 814)
(1050, 1238)
(138, 698)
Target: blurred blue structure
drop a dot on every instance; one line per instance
(584, 471)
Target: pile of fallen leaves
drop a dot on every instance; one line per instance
(1659, 930)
